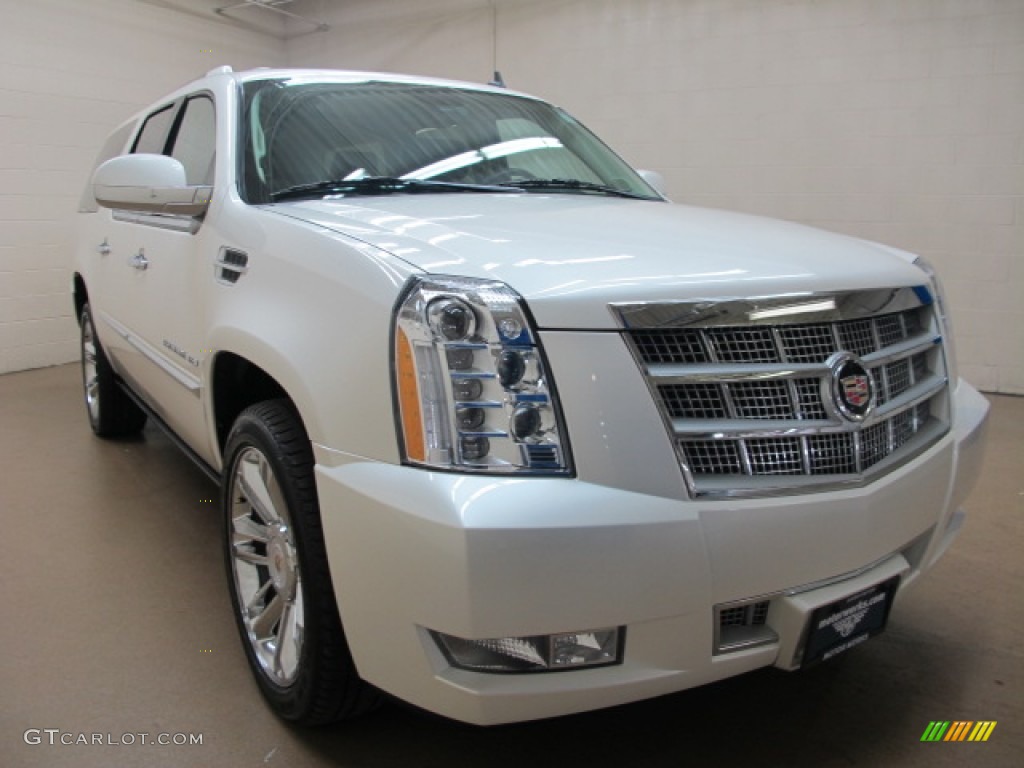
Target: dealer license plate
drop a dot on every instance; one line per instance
(847, 623)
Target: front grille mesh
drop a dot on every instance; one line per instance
(774, 456)
(714, 457)
(743, 345)
(670, 346)
(716, 419)
(776, 399)
(832, 454)
(827, 454)
(811, 343)
(751, 614)
(693, 401)
(808, 392)
(761, 399)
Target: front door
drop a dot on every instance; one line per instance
(160, 268)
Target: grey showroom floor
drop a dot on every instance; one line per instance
(115, 621)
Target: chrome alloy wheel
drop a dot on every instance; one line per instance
(265, 566)
(90, 373)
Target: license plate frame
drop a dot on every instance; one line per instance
(847, 622)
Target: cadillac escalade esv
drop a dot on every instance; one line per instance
(499, 429)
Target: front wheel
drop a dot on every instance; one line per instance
(278, 575)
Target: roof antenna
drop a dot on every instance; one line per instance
(497, 82)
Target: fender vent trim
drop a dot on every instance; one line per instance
(231, 265)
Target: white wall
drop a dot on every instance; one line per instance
(896, 120)
(71, 71)
(450, 38)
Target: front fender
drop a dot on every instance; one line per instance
(313, 310)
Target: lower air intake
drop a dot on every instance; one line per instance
(742, 625)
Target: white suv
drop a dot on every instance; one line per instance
(500, 430)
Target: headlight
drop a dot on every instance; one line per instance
(942, 307)
(472, 389)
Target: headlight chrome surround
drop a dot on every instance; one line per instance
(472, 387)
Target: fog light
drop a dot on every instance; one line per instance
(540, 653)
(581, 649)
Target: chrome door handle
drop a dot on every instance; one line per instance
(139, 261)
(103, 248)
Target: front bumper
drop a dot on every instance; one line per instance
(483, 557)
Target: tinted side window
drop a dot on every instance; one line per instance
(195, 142)
(154, 132)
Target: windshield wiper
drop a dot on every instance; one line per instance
(576, 184)
(380, 185)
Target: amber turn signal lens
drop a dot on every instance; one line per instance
(409, 399)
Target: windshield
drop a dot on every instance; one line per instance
(300, 134)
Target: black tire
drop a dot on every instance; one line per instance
(111, 412)
(277, 565)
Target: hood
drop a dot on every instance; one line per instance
(570, 256)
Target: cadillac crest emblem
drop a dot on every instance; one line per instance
(853, 387)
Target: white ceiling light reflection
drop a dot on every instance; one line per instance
(490, 152)
(807, 307)
(562, 262)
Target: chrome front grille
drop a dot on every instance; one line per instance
(752, 403)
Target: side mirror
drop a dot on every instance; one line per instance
(149, 183)
(655, 179)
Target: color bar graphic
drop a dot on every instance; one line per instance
(958, 730)
(982, 730)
